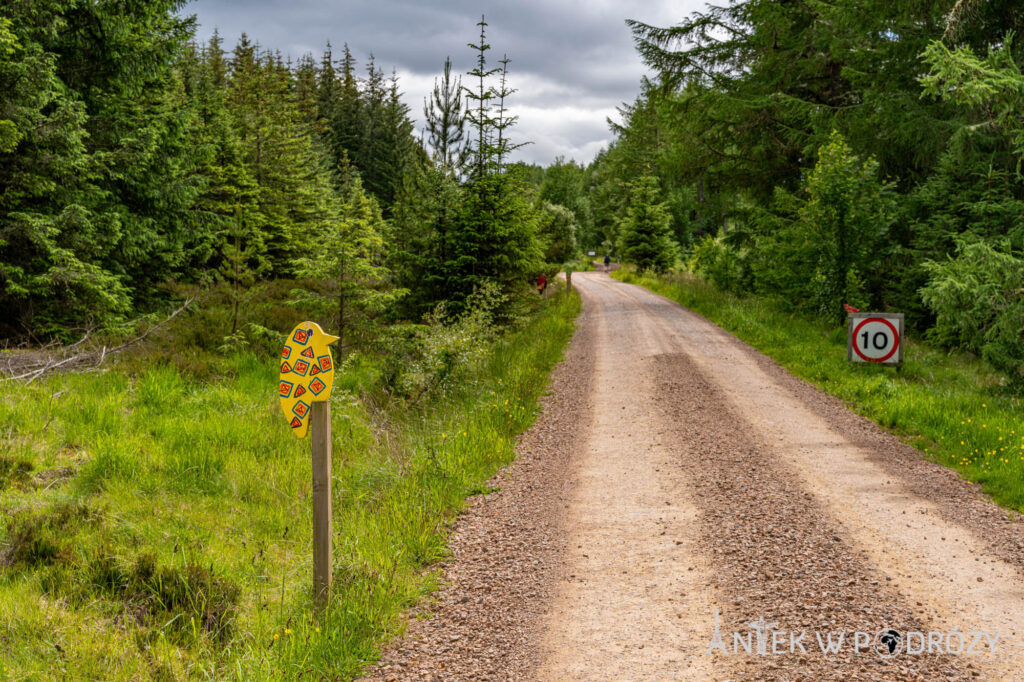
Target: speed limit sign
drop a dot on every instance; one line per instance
(876, 337)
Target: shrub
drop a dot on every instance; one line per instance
(718, 263)
(978, 300)
(436, 353)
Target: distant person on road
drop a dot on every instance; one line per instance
(607, 262)
(542, 283)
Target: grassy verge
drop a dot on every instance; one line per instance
(158, 527)
(950, 406)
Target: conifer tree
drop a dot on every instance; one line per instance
(645, 238)
(49, 273)
(446, 122)
(347, 121)
(478, 111)
(502, 122)
(290, 170)
(349, 254)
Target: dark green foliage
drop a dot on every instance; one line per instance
(348, 256)
(137, 163)
(645, 239)
(829, 153)
(494, 237)
(844, 222)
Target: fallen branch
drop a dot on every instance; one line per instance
(32, 365)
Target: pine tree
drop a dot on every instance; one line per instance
(446, 122)
(503, 121)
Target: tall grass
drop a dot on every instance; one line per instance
(159, 527)
(951, 406)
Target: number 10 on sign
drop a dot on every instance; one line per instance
(876, 337)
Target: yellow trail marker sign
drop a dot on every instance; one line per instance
(307, 374)
(304, 388)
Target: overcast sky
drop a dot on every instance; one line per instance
(573, 61)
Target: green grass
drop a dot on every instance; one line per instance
(951, 406)
(158, 527)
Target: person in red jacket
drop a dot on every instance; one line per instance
(542, 283)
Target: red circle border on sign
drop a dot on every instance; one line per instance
(895, 334)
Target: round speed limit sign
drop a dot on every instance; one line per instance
(876, 337)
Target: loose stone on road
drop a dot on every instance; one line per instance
(694, 479)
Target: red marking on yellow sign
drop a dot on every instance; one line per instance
(311, 378)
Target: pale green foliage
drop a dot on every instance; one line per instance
(559, 227)
(978, 301)
(993, 85)
(717, 263)
(447, 346)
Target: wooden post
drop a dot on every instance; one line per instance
(320, 424)
(568, 284)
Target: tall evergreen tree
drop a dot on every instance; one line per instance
(446, 122)
(478, 113)
(644, 237)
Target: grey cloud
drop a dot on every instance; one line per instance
(562, 52)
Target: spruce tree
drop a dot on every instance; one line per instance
(49, 270)
(349, 254)
(478, 111)
(645, 238)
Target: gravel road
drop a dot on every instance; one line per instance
(679, 483)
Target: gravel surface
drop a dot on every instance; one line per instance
(506, 548)
(678, 477)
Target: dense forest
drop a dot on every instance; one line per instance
(136, 163)
(818, 154)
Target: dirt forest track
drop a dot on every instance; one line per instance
(677, 477)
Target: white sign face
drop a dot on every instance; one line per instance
(876, 337)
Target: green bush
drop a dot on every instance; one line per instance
(438, 352)
(978, 300)
(718, 263)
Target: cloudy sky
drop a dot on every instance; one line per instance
(572, 61)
